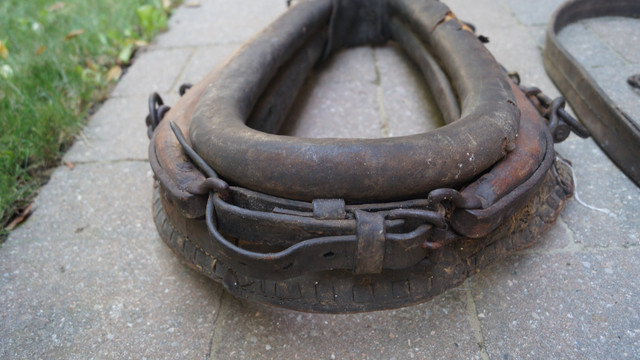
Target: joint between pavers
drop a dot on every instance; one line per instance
(105, 162)
(214, 343)
(602, 41)
(578, 248)
(510, 11)
(184, 68)
(513, 14)
(384, 128)
(194, 47)
(572, 234)
(472, 314)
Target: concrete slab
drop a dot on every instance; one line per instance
(613, 80)
(566, 305)
(116, 132)
(203, 60)
(619, 33)
(324, 107)
(517, 50)
(409, 107)
(348, 65)
(616, 224)
(483, 14)
(88, 277)
(439, 329)
(155, 71)
(587, 48)
(215, 22)
(530, 13)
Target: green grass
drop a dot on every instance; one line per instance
(55, 59)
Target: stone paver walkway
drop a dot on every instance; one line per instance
(87, 276)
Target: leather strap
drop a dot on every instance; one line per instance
(616, 133)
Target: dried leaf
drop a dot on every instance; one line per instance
(40, 50)
(73, 34)
(166, 4)
(192, 4)
(4, 52)
(91, 65)
(114, 73)
(20, 218)
(69, 164)
(57, 6)
(140, 43)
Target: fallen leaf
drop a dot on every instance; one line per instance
(40, 50)
(20, 218)
(114, 73)
(4, 52)
(140, 43)
(57, 6)
(192, 4)
(166, 4)
(69, 164)
(91, 65)
(73, 34)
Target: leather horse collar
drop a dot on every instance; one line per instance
(345, 225)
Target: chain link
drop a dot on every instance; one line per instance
(560, 122)
(157, 111)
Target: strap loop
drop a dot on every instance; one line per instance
(370, 242)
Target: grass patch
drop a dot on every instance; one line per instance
(57, 59)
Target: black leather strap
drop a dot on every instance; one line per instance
(370, 242)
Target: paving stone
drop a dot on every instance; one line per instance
(620, 33)
(204, 60)
(567, 305)
(483, 14)
(88, 277)
(438, 330)
(153, 71)
(408, 103)
(334, 104)
(219, 22)
(613, 81)
(587, 48)
(517, 50)
(539, 34)
(600, 184)
(348, 65)
(116, 132)
(533, 12)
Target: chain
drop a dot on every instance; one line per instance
(157, 111)
(560, 122)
